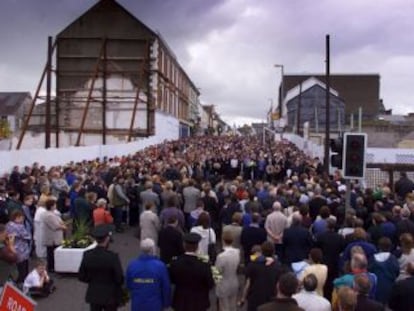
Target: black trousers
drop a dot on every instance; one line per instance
(23, 270)
(50, 258)
(95, 307)
(43, 291)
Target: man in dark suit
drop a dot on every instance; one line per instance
(316, 203)
(102, 270)
(170, 241)
(252, 235)
(192, 278)
(332, 244)
(297, 241)
(262, 275)
(403, 186)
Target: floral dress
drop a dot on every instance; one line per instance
(22, 239)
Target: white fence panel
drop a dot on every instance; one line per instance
(167, 128)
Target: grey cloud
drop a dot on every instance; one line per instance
(228, 47)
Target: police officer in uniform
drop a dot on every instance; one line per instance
(192, 278)
(102, 270)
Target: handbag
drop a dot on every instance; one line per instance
(211, 249)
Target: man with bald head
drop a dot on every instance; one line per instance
(317, 201)
(276, 222)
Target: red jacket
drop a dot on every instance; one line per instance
(101, 216)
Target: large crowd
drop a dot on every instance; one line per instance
(261, 225)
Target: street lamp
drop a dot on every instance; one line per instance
(270, 115)
(282, 90)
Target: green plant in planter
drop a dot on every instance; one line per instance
(80, 237)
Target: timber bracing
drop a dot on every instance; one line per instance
(35, 97)
(144, 63)
(88, 99)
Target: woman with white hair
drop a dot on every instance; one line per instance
(148, 281)
(52, 234)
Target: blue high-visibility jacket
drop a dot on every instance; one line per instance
(148, 283)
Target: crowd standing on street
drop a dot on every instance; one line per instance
(260, 226)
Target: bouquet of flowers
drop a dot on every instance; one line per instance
(125, 297)
(217, 277)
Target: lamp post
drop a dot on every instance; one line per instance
(270, 117)
(282, 89)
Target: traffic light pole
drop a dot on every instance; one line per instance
(327, 110)
(348, 181)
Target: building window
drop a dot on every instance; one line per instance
(165, 99)
(159, 99)
(170, 104)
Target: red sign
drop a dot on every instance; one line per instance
(12, 299)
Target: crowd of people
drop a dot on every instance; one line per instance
(260, 225)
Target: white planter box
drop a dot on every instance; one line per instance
(69, 259)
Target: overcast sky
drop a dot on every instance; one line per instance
(229, 47)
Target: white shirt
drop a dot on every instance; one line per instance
(204, 233)
(38, 214)
(345, 231)
(38, 224)
(31, 280)
(234, 163)
(311, 301)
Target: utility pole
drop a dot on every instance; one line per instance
(48, 91)
(282, 89)
(327, 110)
(299, 110)
(104, 92)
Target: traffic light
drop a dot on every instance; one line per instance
(355, 145)
(336, 150)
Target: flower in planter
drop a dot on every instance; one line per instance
(80, 238)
